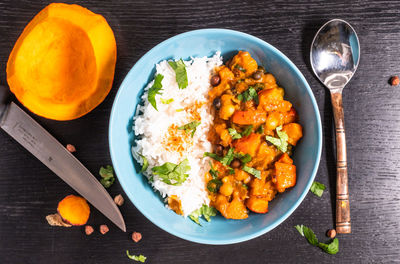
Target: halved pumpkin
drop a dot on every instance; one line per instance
(62, 66)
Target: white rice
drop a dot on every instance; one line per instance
(152, 128)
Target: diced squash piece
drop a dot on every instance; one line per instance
(248, 145)
(272, 100)
(74, 210)
(284, 158)
(257, 205)
(175, 204)
(249, 117)
(227, 107)
(62, 65)
(269, 81)
(284, 176)
(241, 175)
(231, 210)
(290, 117)
(274, 120)
(265, 156)
(243, 65)
(294, 132)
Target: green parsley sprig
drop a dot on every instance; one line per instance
(190, 127)
(280, 142)
(173, 174)
(180, 73)
(107, 176)
(155, 89)
(331, 248)
(205, 211)
(317, 188)
(139, 258)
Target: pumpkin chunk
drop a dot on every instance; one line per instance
(285, 176)
(62, 65)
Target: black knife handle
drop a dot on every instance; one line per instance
(4, 99)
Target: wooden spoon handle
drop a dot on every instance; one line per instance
(343, 225)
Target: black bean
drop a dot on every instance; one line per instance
(217, 103)
(257, 75)
(219, 150)
(235, 163)
(215, 80)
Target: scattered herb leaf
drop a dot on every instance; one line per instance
(331, 248)
(180, 72)
(154, 90)
(214, 185)
(139, 258)
(190, 127)
(317, 188)
(240, 68)
(166, 101)
(249, 94)
(171, 173)
(212, 155)
(243, 158)
(252, 171)
(214, 173)
(281, 142)
(247, 131)
(234, 134)
(205, 211)
(227, 159)
(107, 176)
(145, 163)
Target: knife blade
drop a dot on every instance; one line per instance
(26, 131)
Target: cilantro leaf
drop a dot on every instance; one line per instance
(166, 101)
(309, 234)
(260, 130)
(234, 134)
(249, 94)
(205, 211)
(180, 72)
(212, 155)
(281, 142)
(300, 229)
(243, 158)
(139, 258)
(155, 89)
(240, 68)
(171, 173)
(107, 176)
(192, 126)
(214, 173)
(331, 248)
(317, 188)
(247, 130)
(145, 163)
(252, 171)
(214, 185)
(227, 159)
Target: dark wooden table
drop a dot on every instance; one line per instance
(29, 191)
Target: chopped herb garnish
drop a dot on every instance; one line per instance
(214, 173)
(234, 134)
(243, 158)
(331, 248)
(190, 127)
(227, 159)
(154, 90)
(214, 185)
(260, 129)
(212, 155)
(107, 176)
(317, 188)
(145, 163)
(179, 110)
(245, 186)
(281, 142)
(139, 258)
(247, 131)
(171, 173)
(167, 101)
(205, 211)
(252, 171)
(180, 72)
(249, 94)
(240, 68)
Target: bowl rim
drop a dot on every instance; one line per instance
(281, 219)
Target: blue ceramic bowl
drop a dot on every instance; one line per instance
(206, 42)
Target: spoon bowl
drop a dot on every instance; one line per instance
(335, 53)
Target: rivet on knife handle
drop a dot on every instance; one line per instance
(342, 191)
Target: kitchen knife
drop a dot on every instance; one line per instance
(51, 153)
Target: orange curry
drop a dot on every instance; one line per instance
(253, 134)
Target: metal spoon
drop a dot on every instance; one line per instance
(335, 53)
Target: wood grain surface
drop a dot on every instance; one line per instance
(29, 191)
